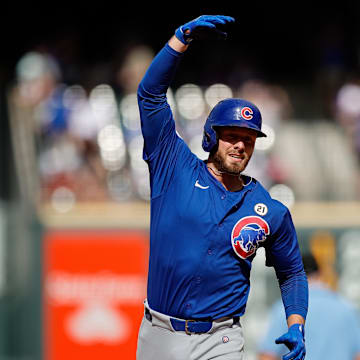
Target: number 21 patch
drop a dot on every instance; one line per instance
(261, 209)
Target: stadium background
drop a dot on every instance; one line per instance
(74, 190)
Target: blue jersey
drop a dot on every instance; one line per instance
(203, 238)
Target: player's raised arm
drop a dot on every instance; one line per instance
(154, 110)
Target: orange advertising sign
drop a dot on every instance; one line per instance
(94, 287)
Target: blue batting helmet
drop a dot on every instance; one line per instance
(231, 112)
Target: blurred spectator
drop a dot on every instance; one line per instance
(348, 112)
(131, 67)
(332, 329)
(63, 132)
(37, 76)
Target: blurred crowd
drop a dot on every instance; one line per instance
(82, 141)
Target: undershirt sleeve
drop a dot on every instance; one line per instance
(284, 255)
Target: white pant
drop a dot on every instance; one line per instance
(159, 341)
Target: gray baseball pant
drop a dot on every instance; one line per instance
(158, 340)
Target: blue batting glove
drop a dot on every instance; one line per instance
(294, 339)
(205, 26)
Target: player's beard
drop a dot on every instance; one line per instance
(222, 165)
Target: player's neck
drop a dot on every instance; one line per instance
(230, 182)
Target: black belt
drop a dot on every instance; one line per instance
(190, 326)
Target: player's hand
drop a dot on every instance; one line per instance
(204, 27)
(294, 339)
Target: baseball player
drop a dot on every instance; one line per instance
(207, 221)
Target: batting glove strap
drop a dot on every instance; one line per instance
(184, 38)
(294, 339)
(203, 27)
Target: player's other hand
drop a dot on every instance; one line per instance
(203, 27)
(295, 341)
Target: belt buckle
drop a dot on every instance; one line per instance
(186, 326)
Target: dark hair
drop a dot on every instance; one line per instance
(310, 264)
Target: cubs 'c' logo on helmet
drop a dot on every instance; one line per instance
(247, 113)
(247, 234)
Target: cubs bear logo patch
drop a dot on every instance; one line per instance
(247, 234)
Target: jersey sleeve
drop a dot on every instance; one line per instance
(282, 250)
(164, 151)
(283, 253)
